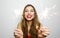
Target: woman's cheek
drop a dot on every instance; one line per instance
(32, 16)
(25, 15)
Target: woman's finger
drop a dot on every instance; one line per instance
(45, 33)
(19, 30)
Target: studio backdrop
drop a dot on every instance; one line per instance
(11, 13)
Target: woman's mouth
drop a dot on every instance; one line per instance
(29, 16)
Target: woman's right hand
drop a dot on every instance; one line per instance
(18, 33)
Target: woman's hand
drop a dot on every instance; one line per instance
(43, 32)
(18, 33)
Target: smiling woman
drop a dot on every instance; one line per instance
(30, 27)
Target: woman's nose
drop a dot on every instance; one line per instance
(29, 12)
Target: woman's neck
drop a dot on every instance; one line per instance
(29, 23)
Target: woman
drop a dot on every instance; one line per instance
(30, 27)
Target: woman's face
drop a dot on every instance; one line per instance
(29, 13)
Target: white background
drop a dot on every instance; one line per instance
(11, 13)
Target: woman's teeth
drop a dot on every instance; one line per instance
(29, 16)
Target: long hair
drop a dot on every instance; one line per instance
(35, 22)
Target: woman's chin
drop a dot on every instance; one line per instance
(29, 19)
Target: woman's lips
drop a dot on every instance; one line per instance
(29, 16)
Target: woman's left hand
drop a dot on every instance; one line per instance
(43, 32)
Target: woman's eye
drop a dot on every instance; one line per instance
(32, 11)
(26, 11)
